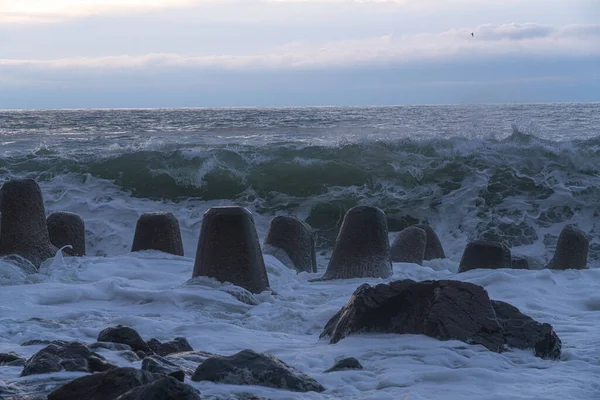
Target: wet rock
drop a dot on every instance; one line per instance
(445, 310)
(73, 356)
(129, 355)
(166, 388)
(434, 248)
(103, 386)
(485, 254)
(66, 228)
(409, 246)
(229, 250)
(250, 368)
(160, 365)
(124, 335)
(11, 359)
(177, 345)
(523, 332)
(109, 346)
(571, 250)
(158, 231)
(345, 364)
(362, 248)
(37, 342)
(519, 263)
(24, 231)
(242, 295)
(292, 242)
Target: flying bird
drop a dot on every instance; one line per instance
(472, 34)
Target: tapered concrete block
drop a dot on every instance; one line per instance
(409, 246)
(67, 228)
(229, 250)
(292, 242)
(24, 231)
(158, 231)
(571, 250)
(485, 254)
(362, 248)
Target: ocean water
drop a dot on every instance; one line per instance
(513, 173)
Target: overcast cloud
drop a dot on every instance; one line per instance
(156, 53)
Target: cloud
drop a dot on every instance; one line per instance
(530, 40)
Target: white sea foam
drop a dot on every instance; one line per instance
(75, 298)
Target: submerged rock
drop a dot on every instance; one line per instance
(519, 263)
(362, 248)
(160, 365)
(571, 250)
(73, 356)
(124, 335)
(166, 388)
(292, 242)
(250, 368)
(345, 364)
(444, 310)
(485, 254)
(66, 228)
(24, 231)
(177, 345)
(229, 250)
(158, 231)
(11, 359)
(409, 246)
(104, 386)
(434, 248)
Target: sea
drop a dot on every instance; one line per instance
(515, 173)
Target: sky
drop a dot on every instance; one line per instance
(219, 53)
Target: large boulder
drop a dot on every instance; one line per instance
(444, 310)
(523, 332)
(166, 388)
(104, 386)
(571, 249)
(362, 248)
(124, 335)
(67, 228)
(485, 254)
(434, 248)
(250, 368)
(292, 242)
(409, 246)
(158, 231)
(229, 250)
(24, 231)
(72, 356)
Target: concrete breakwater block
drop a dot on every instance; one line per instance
(229, 250)
(292, 242)
(158, 231)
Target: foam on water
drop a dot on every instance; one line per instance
(75, 298)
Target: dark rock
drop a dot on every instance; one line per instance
(160, 365)
(11, 359)
(409, 246)
(124, 335)
(523, 332)
(250, 368)
(179, 375)
(484, 254)
(66, 228)
(571, 249)
(362, 248)
(37, 342)
(444, 310)
(73, 356)
(177, 345)
(109, 346)
(229, 250)
(163, 389)
(158, 231)
(24, 231)
(292, 242)
(129, 355)
(519, 263)
(242, 295)
(103, 386)
(345, 364)
(434, 248)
